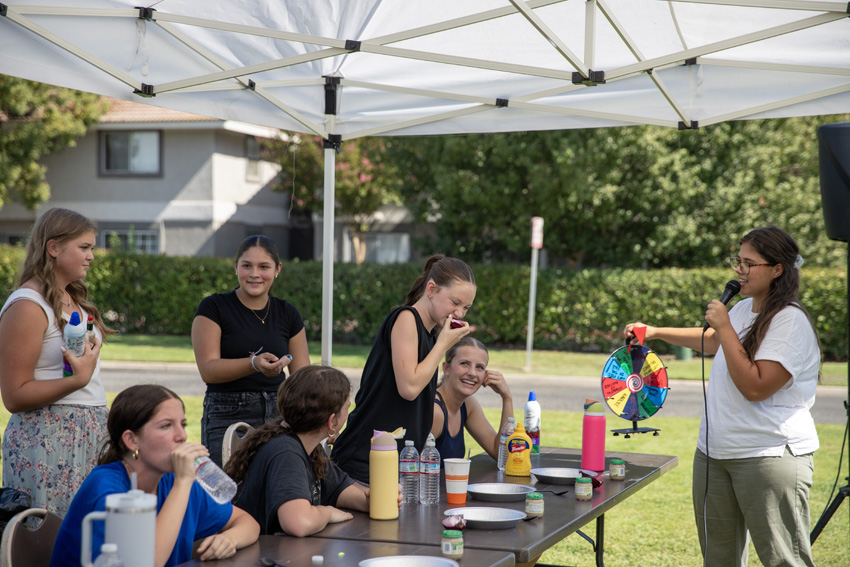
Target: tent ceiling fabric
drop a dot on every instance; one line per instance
(444, 66)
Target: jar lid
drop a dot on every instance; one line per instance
(618, 462)
(452, 533)
(534, 495)
(583, 479)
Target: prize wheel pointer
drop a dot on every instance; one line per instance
(634, 384)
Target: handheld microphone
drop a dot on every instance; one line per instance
(733, 288)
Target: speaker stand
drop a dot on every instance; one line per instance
(844, 491)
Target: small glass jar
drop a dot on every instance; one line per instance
(584, 488)
(618, 469)
(534, 505)
(452, 544)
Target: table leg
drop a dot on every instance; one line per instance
(598, 545)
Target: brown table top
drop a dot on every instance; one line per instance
(298, 552)
(563, 515)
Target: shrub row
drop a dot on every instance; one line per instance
(576, 310)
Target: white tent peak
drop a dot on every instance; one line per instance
(444, 66)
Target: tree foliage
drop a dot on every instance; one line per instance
(36, 120)
(363, 180)
(626, 197)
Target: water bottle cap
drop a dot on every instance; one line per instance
(383, 441)
(512, 419)
(109, 548)
(532, 396)
(75, 319)
(593, 407)
(408, 443)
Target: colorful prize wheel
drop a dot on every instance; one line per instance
(634, 385)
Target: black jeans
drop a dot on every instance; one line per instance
(222, 409)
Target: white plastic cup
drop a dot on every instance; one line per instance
(457, 479)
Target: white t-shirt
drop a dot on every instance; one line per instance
(49, 365)
(738, 428)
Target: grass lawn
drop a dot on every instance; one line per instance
(179, 349)
(656, 526)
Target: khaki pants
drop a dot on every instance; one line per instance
(765, 498)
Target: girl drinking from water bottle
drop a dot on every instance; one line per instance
(399, 381)
(147, 436)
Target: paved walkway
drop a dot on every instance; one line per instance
(565, 393)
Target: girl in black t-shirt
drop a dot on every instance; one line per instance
(286, 481)
(243, 340)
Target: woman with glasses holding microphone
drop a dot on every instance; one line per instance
(753, 463)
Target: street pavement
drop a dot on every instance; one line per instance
(564, 393)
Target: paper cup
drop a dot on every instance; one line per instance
(457, 478)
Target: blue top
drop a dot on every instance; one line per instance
(448, 446)
(204, 516)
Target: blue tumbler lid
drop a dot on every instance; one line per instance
(532, 396)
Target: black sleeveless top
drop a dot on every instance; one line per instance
(448, 446)
(379, 406)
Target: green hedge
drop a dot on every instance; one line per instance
(576, 310)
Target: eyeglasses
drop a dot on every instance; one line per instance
(735, 262)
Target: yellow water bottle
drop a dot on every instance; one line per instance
(383, 477)
(519, 453)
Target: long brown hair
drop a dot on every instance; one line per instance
(444, 271)
(776, 247)
(59, 225)
(305, 400)
(131, 410)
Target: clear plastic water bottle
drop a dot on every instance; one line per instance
(214, 480)
(507, 431)
(108, 556)
(408, 469)
(429, 473)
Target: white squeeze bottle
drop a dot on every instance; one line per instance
(214, 480)
(429, 473)
(507, 431)
(408, 469)
(532, 421)
(74, 334)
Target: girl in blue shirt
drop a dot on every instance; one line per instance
(147, 436)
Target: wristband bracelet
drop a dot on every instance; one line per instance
(253, 356)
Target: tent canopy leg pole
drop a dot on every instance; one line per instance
(328, 257)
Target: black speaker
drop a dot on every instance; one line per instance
(834, 160)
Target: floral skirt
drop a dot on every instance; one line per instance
(48, 452)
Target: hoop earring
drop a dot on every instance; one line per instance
(136, 455)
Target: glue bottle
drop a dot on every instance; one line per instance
(532, 421)
(74, 334)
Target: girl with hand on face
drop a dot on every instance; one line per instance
(57, 422)
(243, 340)
(400, 377)
(147, 436)
(455, 407)
(286, 481)
(757, 435)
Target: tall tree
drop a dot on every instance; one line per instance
(628, 197)
(36, 120)
(364, 181)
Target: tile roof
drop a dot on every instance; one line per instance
(126, 111)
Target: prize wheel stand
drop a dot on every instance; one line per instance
(634, 385)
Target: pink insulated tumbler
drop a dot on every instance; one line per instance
(593, 436)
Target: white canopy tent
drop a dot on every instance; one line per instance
(345, 69)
